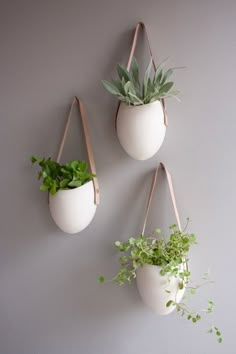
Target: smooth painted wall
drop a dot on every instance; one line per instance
(50, 301)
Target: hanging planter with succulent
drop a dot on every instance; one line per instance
(141, 119)
(73, 191)
(160, 266)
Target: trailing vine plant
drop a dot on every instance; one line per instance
(171, 255)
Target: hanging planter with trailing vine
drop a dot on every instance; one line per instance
(160, 266)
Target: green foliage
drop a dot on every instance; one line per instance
(168, 254)
(216, 331)
(130, 90)
(172, 257)
(192, 315)
(55, 176)
(101, 280)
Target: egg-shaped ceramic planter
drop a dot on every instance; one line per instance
(73, 209)
(152, 287)
(141, 129)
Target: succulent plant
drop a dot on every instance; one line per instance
(130, 90)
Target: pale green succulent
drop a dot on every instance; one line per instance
(130, 90)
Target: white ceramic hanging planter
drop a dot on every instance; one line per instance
(152, 288)
(73, 209)
(155, 289)
(141, 129)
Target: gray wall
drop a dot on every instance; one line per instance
(50, 302)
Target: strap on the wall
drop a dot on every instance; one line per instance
(140, 26)
(83, 115)
(171, 189)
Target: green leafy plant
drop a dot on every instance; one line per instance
(55, 176)
(130, 90)
(171, 255)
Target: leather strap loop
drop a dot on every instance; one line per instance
(171, 189)
(138, 27)
(83, 115)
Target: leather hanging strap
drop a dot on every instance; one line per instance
(171, 189)
(140, 26)
(83, 115)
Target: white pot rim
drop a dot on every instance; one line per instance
(140, 105)
(71, 190)
(154, 265)
(159, 267)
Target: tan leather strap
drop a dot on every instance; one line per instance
(171, 189)
(140, 26)
(83, 115)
